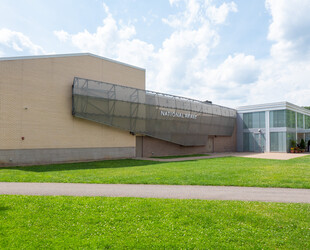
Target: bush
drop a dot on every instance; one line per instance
(302, 144)
(293, 143)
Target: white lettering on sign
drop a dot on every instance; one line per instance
(177, 114)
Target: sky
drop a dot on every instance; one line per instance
(232, 53)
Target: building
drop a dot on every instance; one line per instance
(271, 127)
(80, 107)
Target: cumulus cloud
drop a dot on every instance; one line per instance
(241, 69)
(289, 29)
(62, 35)
(199, 11)
(219, 15)
(19, 42)
(113, 39)
(173, 67)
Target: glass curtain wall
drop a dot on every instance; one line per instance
(254, 141)
(289, 138)
(281, 141)
(282, 118)
(278, 142)
(254, 120)
(284, 125)
(300, 120)
(277, 119)
(290, 119)
(307, 122)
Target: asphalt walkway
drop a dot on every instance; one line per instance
(159, 191)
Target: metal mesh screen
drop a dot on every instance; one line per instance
(171, 118)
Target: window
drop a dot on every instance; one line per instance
(277, 118)
(278, 142)
(254, 120)
(300, 120)
(282, 118)
(289, 138)
(307, 122)
(290, 119)
(254, 142)
(246, 144)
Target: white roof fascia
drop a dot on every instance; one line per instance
(273, 106)
(67, 55)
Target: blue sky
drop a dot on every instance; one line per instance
(231, 52)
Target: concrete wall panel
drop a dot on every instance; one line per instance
(155, 147)
(15, 157)
(35, 102)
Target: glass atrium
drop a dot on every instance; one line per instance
(268, 130)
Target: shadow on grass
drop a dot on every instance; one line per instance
(84, 165)
(3, 209)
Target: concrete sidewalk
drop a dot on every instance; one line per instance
(159, 191)
(272, 156)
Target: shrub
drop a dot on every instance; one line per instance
(293, 143)
(302, 144)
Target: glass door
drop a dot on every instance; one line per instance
(259, 142)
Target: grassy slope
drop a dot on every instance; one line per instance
(178, 156)
(234, 171)
(32, 222)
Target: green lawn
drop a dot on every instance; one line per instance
(178, 156)
(38, 222)
(232, 171)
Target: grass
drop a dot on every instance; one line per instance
(232, 171)
(38, 222)
(178, 156)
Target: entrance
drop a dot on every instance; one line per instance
(139, 146)
(259, 142)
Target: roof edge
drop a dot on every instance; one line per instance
(68, 55)
(273, 106)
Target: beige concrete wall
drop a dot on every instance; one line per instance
(35, 103)
(155, 147)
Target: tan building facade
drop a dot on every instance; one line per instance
(36, 124)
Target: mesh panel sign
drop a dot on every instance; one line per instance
(175, 119)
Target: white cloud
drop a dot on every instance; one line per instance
(191, 16)
(289, 29)
(282, 82)
(172, 2)
(239, 69)
(178, 64)
(19, 42)
(106, 8)
(229, 83)
(219, 15)
(62, 35)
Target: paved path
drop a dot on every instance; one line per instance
(159, 191)
(273, 156)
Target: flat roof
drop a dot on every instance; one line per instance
(272, 106)
(67, 55)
